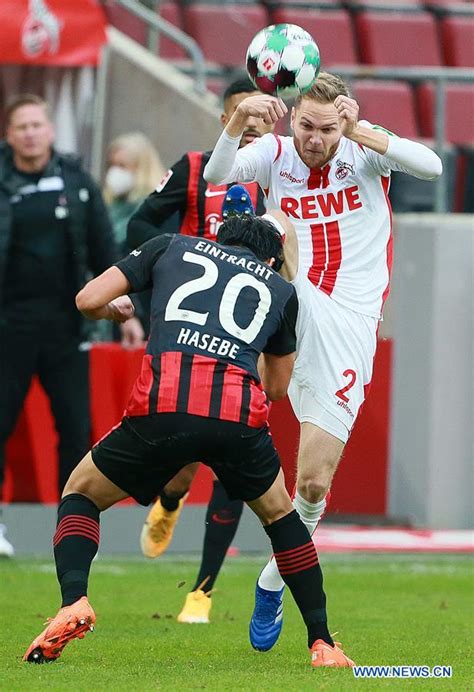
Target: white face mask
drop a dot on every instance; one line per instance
(119, 180)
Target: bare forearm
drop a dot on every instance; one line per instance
(105, 312)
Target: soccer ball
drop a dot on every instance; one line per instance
(283, 60)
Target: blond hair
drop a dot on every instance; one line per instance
(149, 169)
(326, 89)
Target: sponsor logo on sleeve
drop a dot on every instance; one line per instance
(164, 180)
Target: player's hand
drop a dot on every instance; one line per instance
(121, 309)
(132, 333)
(269, 108)
(348, 111)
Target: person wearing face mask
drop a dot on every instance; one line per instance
(134, 167)
(54, 233)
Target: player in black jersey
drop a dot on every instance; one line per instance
(215, 309)
(183, 191)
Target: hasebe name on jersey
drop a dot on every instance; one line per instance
(207, 342)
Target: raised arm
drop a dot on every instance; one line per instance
(222, 166)
(400, 154)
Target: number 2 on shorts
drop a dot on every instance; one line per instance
(341, 392)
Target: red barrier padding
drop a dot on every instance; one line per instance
(361, 481)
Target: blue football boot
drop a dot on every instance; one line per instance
(237, 201)
(267, 618)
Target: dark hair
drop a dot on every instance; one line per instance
(242, 85)
(24, 100)
(257, 234)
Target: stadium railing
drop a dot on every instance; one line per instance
(157, 25)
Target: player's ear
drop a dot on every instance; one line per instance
(224, 119)
(270, 261)
(292, 117)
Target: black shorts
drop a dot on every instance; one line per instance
(145, 452)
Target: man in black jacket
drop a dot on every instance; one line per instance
(54, 234)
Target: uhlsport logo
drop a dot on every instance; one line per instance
(291, 178)
(40, 30)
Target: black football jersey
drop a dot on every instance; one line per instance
(214, 309)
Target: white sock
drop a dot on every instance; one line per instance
(310, 515)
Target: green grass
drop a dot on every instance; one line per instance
(388, 610)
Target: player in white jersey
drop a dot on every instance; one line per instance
(331, 179)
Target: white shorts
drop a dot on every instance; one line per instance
(334, 360)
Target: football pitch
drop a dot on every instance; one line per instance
(388, 610)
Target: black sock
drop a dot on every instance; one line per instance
(222, 520)
(170, 502)
(75, 545)
(299, 568)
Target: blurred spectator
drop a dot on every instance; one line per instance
(134, 170)
(54, 234)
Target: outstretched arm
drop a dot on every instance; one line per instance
(401, 154)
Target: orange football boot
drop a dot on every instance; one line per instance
(71, 622)
(325, 655)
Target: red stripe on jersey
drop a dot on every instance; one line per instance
(231, 400)
(200, 388)
(139, 398)
(259, 407)
(385, 186)
(190, 224)
(334, 251)
(278, 154)
(319, 253)
(169, 382)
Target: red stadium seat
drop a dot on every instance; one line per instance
(390, 104)
(396, 38)
(459, 108)
(124, 21)
(331, 29)
(457, 37)
(167, 49)
(224, 32)
(216, 84)
(312, 4)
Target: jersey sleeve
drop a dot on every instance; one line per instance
(251, 163)
(254, 161)
(138, 265)
(169, 197)
(405, 156)
(283, 341)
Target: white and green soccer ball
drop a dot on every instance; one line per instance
(283, 60)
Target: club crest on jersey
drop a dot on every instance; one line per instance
(343, 169)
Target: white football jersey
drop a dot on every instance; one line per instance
(341, 214)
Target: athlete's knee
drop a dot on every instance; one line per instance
(313, 489)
